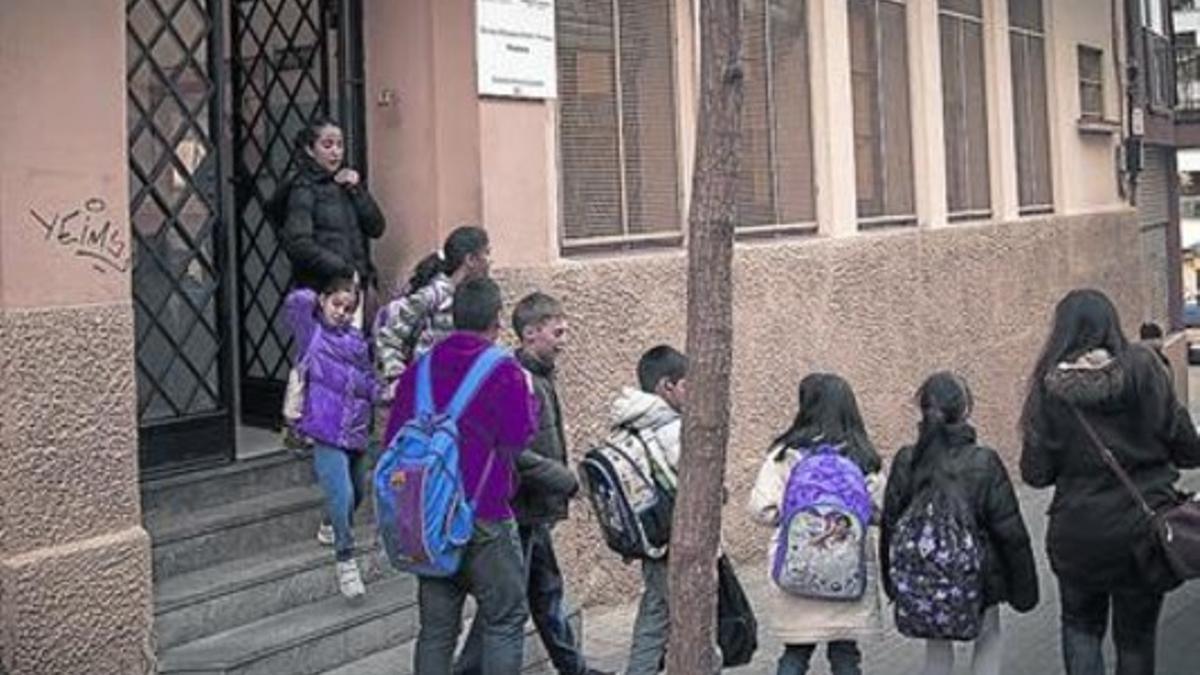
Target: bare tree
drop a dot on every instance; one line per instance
(696, 529)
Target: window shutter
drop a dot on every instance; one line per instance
(897, 150)
(964, 101)
(792, 113)
(588, 121)
(1030, 113)
(882, 125)
(756, 180)
(648, 118)
(618, 164)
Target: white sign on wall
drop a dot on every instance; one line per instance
(514, 48)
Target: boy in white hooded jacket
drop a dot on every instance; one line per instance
(654, 412)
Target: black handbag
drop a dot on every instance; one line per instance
(1174, 529)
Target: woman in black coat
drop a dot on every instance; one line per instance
(330, 215)
(947, 457)
(1096, 528)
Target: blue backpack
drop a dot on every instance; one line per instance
(423, 516)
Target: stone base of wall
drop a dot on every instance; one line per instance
(80, 608)
(883, 310)
(75, 584)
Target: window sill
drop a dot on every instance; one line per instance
(1087, 125)
(776, 231)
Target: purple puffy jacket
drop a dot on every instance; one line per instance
(340, 389)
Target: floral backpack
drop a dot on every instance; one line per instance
(936, 568)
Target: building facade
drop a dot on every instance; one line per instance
(922, 180)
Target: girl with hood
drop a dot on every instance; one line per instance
(1089, 374)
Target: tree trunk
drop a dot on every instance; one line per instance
(696, 529)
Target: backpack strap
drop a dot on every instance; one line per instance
(425, 386)
(483, 366)
(480, 370)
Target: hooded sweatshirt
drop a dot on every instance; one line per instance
(498, 423)
(1095, 523)
(646, 412)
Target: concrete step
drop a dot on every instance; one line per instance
(215, 599)
(192, 541)
(306, 640)
(234, 482)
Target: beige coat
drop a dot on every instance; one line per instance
(796, 620)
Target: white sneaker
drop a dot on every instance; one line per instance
(349, 580)
(325, 534)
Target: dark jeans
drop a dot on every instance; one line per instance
(493, 573)
(844, 658)
(342, 475)
(547, 605)
(1085, 621)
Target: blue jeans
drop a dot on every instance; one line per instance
(844, 658)
(1085, 613)
(544, 591)
(342, 475)
(493, 572)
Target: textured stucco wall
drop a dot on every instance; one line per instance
(882, 309)
(74, 560)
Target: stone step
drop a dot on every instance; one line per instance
(186, 542)
(247, 479)
(306, 640)
(215, 599)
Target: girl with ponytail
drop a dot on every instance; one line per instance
(948, 461)
(422, 315)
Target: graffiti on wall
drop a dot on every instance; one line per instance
(88, 232)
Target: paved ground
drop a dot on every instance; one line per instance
(1031, 639)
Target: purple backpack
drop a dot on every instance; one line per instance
(826, 511)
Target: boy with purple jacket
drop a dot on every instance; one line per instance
(498, 423)
(339, 390)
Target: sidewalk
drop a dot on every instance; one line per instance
(1031, 639)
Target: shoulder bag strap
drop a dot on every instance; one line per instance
(1111, 461)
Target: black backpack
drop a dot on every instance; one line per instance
(737, 629)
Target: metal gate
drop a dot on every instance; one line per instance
(175, 207)
(207, 295)
(290, 66)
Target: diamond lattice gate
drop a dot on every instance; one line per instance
(211, 115)
(183, 337)
(288, 69)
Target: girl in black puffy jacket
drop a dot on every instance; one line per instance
(946, 456)
(1088, 373)
(330, 215)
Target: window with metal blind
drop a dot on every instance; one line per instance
(964, 109)
(618, 143)
(883, 156)
(1027, 40)
(775, 185)
(1091, 82)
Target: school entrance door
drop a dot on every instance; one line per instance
(216, 91)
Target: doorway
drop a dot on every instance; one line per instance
(216, 91)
